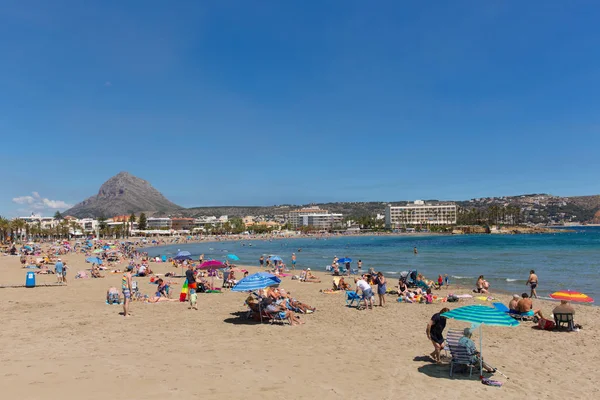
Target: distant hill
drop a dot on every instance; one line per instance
(123, 194)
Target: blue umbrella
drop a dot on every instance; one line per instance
(260, 280)
(94, 260)
(275, 258)
(233, 257)
(181, 258)
(344, 260)
(183, 253)
(478, 315)
(28, 247)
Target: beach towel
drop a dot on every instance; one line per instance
(491, 382)
(500, 307)
(463, 296)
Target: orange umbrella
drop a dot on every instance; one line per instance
(572, 296)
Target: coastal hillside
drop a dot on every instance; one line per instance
(123, 194)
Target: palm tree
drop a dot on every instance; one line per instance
(18, 225)
(4, 228)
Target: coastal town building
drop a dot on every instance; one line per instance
(158, 223)
(182, 224)
(315, 217)
(420, 213)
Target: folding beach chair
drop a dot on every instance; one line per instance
(351, 297)
(564, 318)
(459, 353)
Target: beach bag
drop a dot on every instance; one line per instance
(546, 324)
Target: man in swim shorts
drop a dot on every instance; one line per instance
(532, 282)
(126, 288)
(294, 261)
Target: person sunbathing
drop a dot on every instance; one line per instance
(157, 299)
(96, 272)
(342, 285)
(310, 277)
(112, 296)
(284, 313)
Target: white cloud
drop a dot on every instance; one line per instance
(37, 202)
(23, 200)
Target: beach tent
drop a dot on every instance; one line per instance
(479, 315)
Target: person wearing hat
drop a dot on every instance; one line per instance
(59, 270)
(471, 350)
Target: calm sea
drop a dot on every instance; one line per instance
(569, 260)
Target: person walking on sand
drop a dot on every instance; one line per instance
(261, 261)
(126, 288)
(64, 274)
(532, 282)
(191, 280)
(434, 331)
(359, 266)
(381, 288)
(58, 270)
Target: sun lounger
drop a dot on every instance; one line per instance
(564, 319)
(459, 353)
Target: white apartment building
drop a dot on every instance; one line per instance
(419, 213)
(315, 217)
(158, 223)
(44, 222)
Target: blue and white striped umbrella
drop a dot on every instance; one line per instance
(479, 315)
(260, 280)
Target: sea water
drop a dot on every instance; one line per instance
(566, 260)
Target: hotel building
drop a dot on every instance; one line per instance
(419, 213)
(315, 217)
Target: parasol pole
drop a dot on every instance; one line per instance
(480, 353)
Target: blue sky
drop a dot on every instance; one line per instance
(269, 102)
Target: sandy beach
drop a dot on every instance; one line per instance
(66, 342)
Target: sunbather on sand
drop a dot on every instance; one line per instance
(284, 313)
(310, 277)
(156, 299)
(342, 285)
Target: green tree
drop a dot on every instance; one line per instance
(58, 215)
(132, 218)
(142, 222)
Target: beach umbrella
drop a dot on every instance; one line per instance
(211, 264)
(479, 315)
(275, 258)
(260, 280)
(572, 296)
(183, 253)
(233, 257)
(344, 260)
(27, 247)
(181, 258)
(94, 260)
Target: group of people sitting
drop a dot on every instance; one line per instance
(273, 303)
(522, 307)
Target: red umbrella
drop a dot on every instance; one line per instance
(570, 295)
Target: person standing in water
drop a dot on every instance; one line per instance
(359, 267)
(532, 282)
(415, 250)
(294, 261)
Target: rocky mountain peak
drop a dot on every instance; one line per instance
(124, 193)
